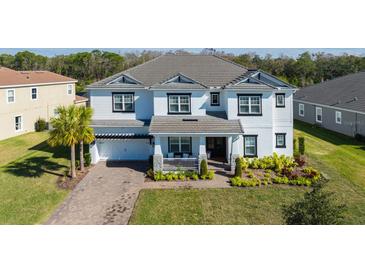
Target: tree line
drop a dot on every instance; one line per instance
(87, 67)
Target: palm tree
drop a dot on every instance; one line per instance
(65, 131)
(86, 133)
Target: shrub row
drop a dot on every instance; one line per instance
(274, 162)
(179, 175)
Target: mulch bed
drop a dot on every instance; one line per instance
(66, 182)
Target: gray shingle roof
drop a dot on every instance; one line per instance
(120, 123)
(208, 70)
(213, 122)
(347, 92)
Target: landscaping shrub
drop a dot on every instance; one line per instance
(317, 207)
(300, 160)
(150, 173)
(312, 173)
(244, 164)
(295, 149)
(255, 163)
(238, 169)
(250, 174)
(301, 141)
(281, 180)
(195, 177)
(87, 159)
(40, 125)
(243, 182)
(203, 168)
(210, 175)
(158, 176)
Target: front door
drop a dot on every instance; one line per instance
(216, 146)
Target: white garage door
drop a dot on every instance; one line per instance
(124, 149)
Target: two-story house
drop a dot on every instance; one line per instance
(181, 109)
(26, 96)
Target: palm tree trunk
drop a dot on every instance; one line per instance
(73, 169)
(82, 166)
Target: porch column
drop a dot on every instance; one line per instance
(235, 151)
(157, 155)
(202, 151)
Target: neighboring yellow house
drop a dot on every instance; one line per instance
(26, 96)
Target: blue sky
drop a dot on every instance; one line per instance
(293, 52)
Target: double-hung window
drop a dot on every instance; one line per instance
(123, 102)
(69, 89)
(280, 100)
(10, 95)
(301, 110)
(34, 93)
(318, 115)
(179, 103)
(250, 145)
(338, 117)
(18, 123)
(249, 105)
(280, 140)
(214, 99)
(180, 144)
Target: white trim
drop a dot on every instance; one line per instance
(37, 84)
(340, 116)
(31, 93)
(319, 109)
(301, 105)
(326, 106)
(7, 96)
(21, 123)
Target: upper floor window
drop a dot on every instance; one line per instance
(179, 103)
(301, 110)
(10, 96)
(69, 89)
(280, 100)
(249, 104)
(123, 102)
(34, 93)
(338, 117)
(214, 99)
(18, 123)
(318, 114)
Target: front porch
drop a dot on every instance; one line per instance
(173, 153)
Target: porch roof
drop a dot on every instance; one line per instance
(120, 123)
(212, 123)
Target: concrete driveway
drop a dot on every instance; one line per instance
(105, 196)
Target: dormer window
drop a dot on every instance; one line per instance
(179, 103)
(180, 79)
(214, 99)
(124, 80)
(123, 102)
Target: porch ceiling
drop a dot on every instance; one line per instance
(212, 123)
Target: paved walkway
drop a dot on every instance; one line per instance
(109, 191)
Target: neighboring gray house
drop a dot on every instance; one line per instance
(337, 104)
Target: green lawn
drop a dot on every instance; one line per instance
(29, 169)
(339, 157)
